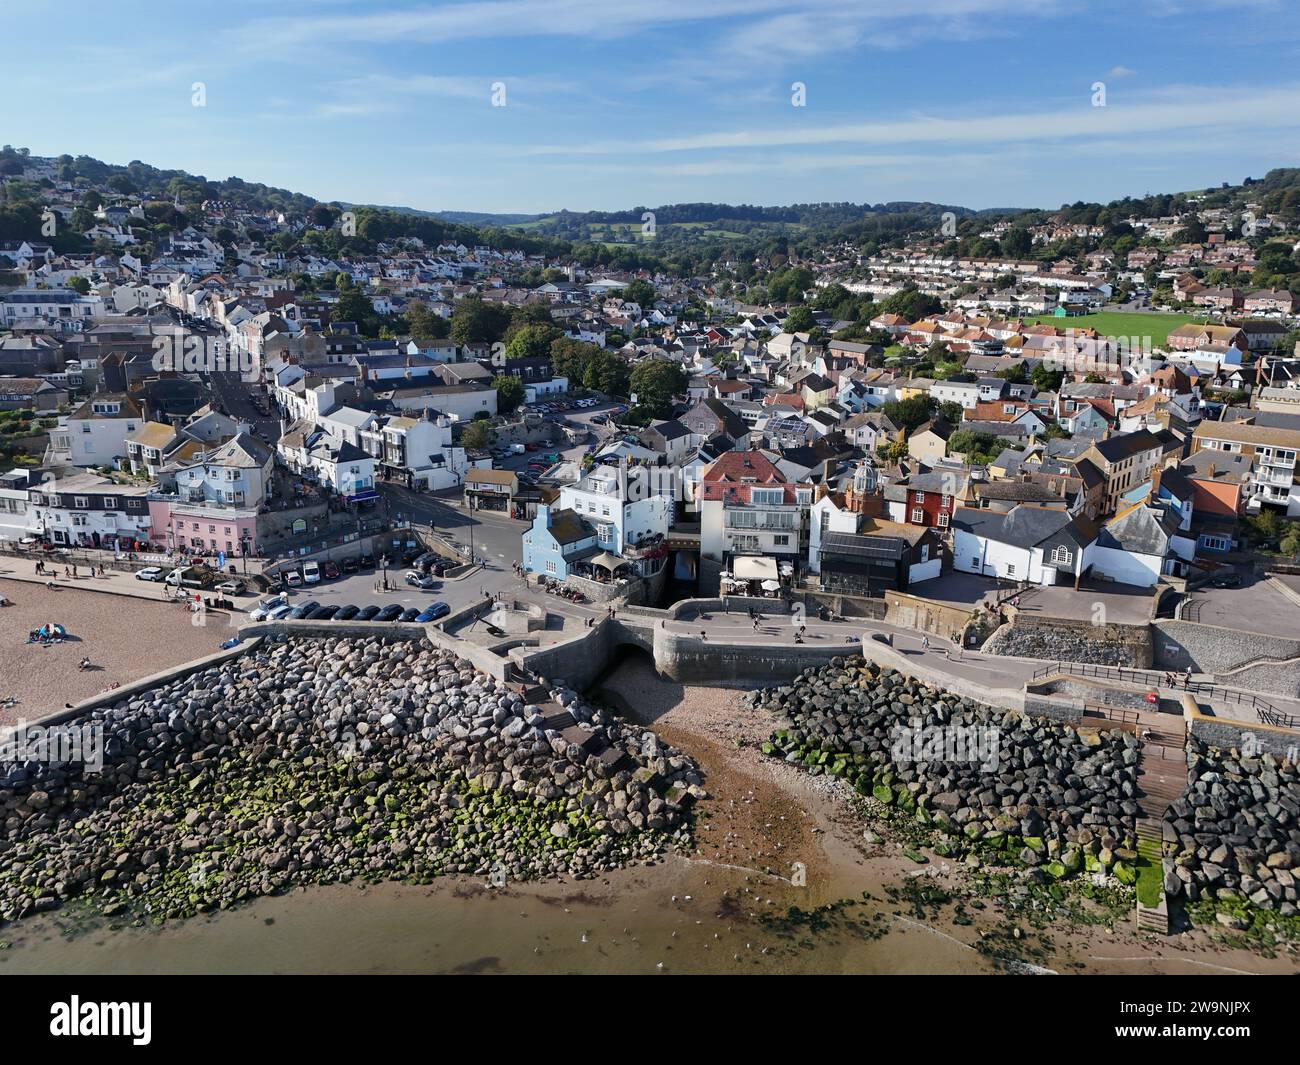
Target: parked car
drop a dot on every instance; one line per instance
(322, 613)
(263, 609)
(409, 556)
(330, 571)
(346, 613)
(311, 572)
(410, 613)
(280, 612)
(433, 612)
(425, 560)
(390, 613)
(351, 565)
(366, 613)
(366, 561)
(418, 580)
(292, 577)
(302, 610)
(235, 587)
(1225, 580)
(149, 573)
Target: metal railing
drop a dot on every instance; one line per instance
(1264, 710)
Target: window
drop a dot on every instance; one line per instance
(110, 502)
(1061, 555)
(918, 515)
(550, 567)
(974, 562)
(1011, 569)
(920, 497)
(781, 541)
(80, 501)
(942, 521)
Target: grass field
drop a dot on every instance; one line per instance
(1124, 324)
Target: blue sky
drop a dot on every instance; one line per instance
(640, 102)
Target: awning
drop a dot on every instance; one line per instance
(754, 568)
(607, 561)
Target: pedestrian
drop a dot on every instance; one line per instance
(1187, 680)
(74, 569)
(704, 636)
(925, 644)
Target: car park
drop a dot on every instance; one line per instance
(311, 572)
(330, 571)
(149, 573)
(389, 613)
(433, 612)
(264, 608)
(322, 613)
(302, 610)
(366, 613)
(346, 613)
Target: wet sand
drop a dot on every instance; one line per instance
(724, 909)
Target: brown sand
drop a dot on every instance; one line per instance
(125, 639)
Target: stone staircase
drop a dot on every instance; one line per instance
(558, 720)
(1162, 778)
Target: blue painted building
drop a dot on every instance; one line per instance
(556, 540)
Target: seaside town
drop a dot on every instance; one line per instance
(957, 555)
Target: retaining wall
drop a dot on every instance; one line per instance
(1212, 649)
(1226, 733)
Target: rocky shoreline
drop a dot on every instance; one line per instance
(1235, 834)
(319, 761)
(1024, 791)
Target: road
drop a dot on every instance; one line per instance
(234, 396)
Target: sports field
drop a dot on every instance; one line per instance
(1124, 324)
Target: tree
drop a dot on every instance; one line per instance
(656, 382)
(532, 342)
(570, 358)
(476, 322)
(641, 293)
(477, 436)
(510, 392)
(1016, 242)
(354, 306)
(606, 372)
(799, 320)
(908, 413)
(79, 284)
(425, 326)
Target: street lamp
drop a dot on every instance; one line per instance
(383, 565)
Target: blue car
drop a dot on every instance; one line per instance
(433, 612)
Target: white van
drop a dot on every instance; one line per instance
(311, 572)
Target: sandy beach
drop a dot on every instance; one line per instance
(125, 639)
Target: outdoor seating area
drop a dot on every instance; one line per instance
(758, 576)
